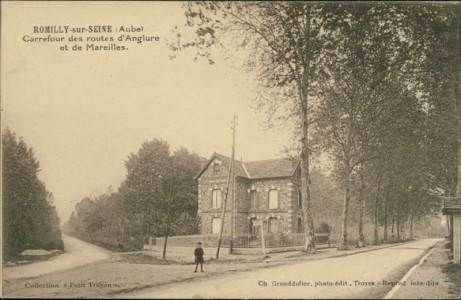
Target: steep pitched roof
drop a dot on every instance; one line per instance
(240, 171)
(271, 168)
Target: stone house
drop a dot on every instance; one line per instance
(267, 190)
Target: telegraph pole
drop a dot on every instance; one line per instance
(226, 193)
(231, 248)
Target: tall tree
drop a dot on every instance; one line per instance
(358, 89)
(143, 185)
(186, 165)
(376, 77)
(29, 217)
(158, 197)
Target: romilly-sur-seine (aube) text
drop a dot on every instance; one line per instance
(91, 37)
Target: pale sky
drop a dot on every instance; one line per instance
(84, 112)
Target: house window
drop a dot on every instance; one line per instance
(216, 225)
(216, 199)
(300, 200)
(300, 225)
(273, 225)
(216, 169)
(253, 199)
(273, 199)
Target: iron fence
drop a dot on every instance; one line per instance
(273, 240)
(277, 240)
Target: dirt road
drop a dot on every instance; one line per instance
(77, 253)
(360, 275)
(365, 275)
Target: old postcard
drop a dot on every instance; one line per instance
(230, 149)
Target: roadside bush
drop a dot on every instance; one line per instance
(323, 228)
(119, 246)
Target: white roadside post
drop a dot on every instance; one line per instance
(260, 224)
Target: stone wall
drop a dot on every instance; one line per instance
(297, 212)
(206, 211)
(207, 182)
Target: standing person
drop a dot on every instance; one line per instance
(199, 257)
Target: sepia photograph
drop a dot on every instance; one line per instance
(230, 150)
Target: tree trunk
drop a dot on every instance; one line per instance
(309, 246)
(361, 241)
(343, 242)
(411, 228)
(110, 225)
(411, 225)
(303, 92)
(392, 229)
(167, 224)
(375, 217)
(457, 159)
(398, 229)
(122, 229)
(347, 181)
(385, 222)
(403, 232)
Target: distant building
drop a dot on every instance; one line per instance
(452, 208)
(267, 190)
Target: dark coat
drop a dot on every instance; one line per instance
(199, 255)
